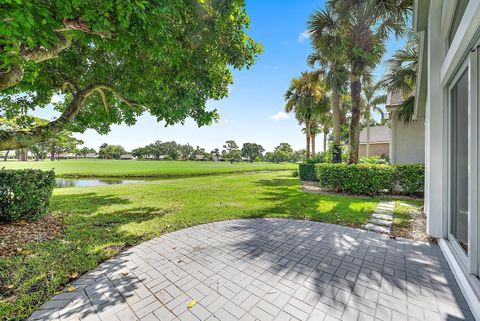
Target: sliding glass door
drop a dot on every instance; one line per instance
(463, 152)
(458, 225)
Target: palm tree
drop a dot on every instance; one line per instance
(401, 76)
(326, 125)
(368, 24)
(306, 97)
(372, 103)
(325, 29)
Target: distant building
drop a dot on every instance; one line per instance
(126, 156)
(91, 155)
(407, 141)
(379, 143)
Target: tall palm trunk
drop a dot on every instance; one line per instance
(367, 147)
(307, 134)
(6, 156)
(312, 139)
(337, 127)
(355, 90)
(325, 133)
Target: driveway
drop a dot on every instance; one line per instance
(266, 269)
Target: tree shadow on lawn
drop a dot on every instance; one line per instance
(290, 201)
(91, 236)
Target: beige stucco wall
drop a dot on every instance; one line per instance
(381, 149)
(408, 142)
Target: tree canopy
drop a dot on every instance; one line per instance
(113, 60)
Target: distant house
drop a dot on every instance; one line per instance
(407, 141)
(126, 156)
(200, 157)
(379, 143)
(91, 155)
(66, 155)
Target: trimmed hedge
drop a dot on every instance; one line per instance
(369, 179)
(25, 194)
(307, 172)
(411, 178)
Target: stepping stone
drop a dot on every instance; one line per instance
(380, 222)
(376, 228)
(382, 216)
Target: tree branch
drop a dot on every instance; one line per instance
(79, 25)
(104, 100)
(17, 138)
(39, 54)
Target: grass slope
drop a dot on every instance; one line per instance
(102, 221)
(134, 168)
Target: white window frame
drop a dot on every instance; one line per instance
(470, 65)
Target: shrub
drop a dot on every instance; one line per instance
(317, 158)
(295, 173)
(411, 178)
(374, 160)
(370, 179)
(25, 194)
(357, 178)
(307, 172)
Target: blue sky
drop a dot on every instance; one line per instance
(252, 112)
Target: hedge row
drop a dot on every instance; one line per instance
(370, 179)
(25, 194)
(307, 172)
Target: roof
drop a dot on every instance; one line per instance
(378, 134)
(126, 156)
(394, 98)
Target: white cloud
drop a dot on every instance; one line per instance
(304, 35)
(280, 116)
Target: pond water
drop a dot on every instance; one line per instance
(82, 182)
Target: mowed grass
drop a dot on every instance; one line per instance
(104, 220)
(137, 168)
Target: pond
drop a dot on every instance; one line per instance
(83, 182)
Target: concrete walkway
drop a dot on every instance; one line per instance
(267, 269)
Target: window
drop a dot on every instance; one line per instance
(460, 8)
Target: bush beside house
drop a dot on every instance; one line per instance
(25, 194)
(369, 179)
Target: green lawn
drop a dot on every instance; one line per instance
(135, 168)
(104, 220)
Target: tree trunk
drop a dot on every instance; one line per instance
(325, 133)
(23, 154)
(52, 152)
(312, 139)
(337, 127)
(5, 158)
(355, 90)
(367, 146)
(307, 134)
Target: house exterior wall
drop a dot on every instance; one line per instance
(376, 149)
(407, 142)
(444, 63)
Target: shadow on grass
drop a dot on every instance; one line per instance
(91, 236)
(290, 201)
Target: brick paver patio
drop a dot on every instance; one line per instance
(267, 269)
